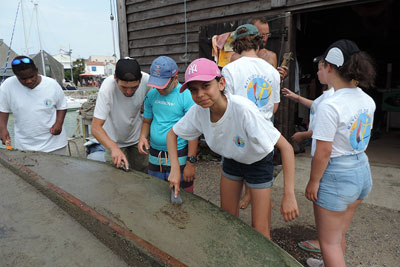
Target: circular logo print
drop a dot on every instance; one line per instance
(360, 132)
(47, 102)
(259, 91)
(238, 141)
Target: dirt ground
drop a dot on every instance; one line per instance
(372, 239)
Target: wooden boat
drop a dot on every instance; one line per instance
(131, 213)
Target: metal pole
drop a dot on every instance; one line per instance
(70, 62)
(40, 41)
(112, 30)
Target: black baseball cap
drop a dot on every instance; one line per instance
(339, 52)
(128, 69)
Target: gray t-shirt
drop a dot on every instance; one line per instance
(122, 114)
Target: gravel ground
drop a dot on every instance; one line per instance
(372, 239)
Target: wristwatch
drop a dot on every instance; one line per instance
(192, 159)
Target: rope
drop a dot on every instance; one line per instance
(9, 48)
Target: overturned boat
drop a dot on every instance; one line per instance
(131, 213)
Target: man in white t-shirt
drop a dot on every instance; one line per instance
(118, 117)
(38, 105)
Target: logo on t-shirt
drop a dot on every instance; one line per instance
(238, 141)
(259, 90)
(360, 132)
(312, 110)
(47, 102)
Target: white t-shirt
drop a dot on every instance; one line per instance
(255, 79)
(313, 110)
(35, 112)
(122, 115)
(241, 134)
(346, 119)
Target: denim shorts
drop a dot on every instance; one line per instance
(259, 174)
(345, 180)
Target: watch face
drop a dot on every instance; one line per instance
(192, 159)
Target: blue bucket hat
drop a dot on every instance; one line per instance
(161, 71)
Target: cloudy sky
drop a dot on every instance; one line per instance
(83, 25)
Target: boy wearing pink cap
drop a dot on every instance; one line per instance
(234, 128)
(163, 107)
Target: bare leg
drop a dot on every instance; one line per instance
(332, 227)
(261, 210)
(230, 195)
(351, 210)
(246, 199)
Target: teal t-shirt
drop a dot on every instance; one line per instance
(165, 111)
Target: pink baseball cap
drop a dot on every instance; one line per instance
(202, 69)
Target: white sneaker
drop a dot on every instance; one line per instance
(311, 262)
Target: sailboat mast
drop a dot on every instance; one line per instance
(40, 41)
(23, 21)
(112, 29)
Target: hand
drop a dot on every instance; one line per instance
(56, 129)
(188, 172)
(289, 94)
(174, 179)
(312, 191)
(143, 146)
(283, 71)
(5, 136)
(298, 137)
(289, 209)
(118, 157)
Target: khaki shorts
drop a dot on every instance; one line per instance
(136, 160)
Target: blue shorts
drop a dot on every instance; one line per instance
(259, 174)
(345, 180)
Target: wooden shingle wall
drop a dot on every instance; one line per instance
(157, 27)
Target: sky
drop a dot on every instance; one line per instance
(84, 26)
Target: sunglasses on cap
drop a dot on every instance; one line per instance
(23, 60)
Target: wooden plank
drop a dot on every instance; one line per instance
(162, 30)
(164, 40)
(207, 14)
(179, 59)
(151, 5)
(122, 29)
(278, 3)
(164, 50)
(158, 11)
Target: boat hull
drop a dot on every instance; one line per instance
(132, 213)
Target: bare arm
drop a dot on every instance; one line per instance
(57, 127)
(295, 97)
(143, 145)
(300, 136)
(321, 158)
(174, 177)
(289, 207)
(98, 132)
(4, 134)
(189, 171)
(276, 106)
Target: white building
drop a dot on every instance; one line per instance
(104, 59)
(96, 68)
(109, 69)
(65, 60)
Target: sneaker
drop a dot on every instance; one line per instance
(311, 262)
